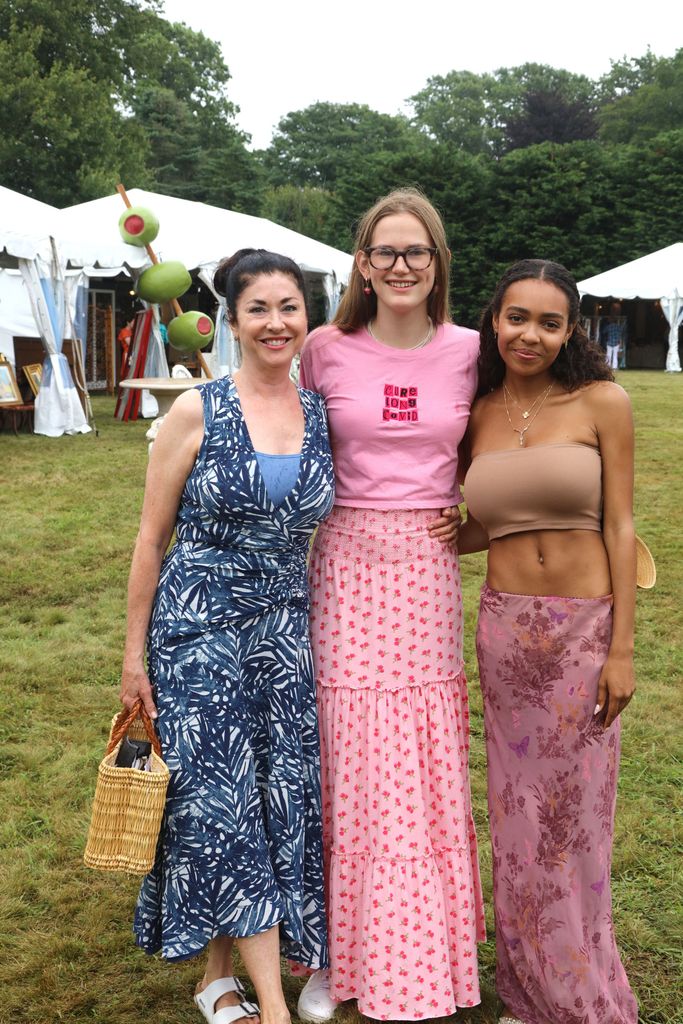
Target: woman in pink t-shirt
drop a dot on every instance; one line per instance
(404, 897)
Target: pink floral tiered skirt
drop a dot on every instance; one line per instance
(405, 910)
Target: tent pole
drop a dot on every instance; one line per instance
(76, 348)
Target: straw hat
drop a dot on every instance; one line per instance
(646, 571)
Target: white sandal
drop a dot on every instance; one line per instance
(206, 1001)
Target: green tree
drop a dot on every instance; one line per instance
(323, 143)
(349, 150)
(652, 176)
(197, 153)
(513, 107)
(126, 43)
(627, 75)
(654, 107)
(460, 109)
(552, 202)
(308, 210)
(99, 92)
(62, 140)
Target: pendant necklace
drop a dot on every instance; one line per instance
(525, 413)
(411, 348)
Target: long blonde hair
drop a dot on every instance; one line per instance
(356, 308)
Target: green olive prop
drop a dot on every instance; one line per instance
(138, 226)
(163, 281)
(190, 331)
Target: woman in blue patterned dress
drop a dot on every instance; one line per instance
(242, 471)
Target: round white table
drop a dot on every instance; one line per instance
(165, 390)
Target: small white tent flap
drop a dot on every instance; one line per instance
(658, 276)
(672, 308)
(58, 408)
(332, 294)
(225, 351)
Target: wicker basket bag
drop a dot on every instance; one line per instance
(129, 803)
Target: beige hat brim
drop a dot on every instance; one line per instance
(646, 571)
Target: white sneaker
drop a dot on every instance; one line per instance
(315, 1002)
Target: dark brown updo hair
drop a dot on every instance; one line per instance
(577, 363)
(234, 273)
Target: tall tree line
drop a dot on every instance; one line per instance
(523, 161)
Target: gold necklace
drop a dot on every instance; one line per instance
(411, 348)
(526, 412)
(522, 431)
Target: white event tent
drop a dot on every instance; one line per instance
(659, 277)
(39, 297)
(49, 253)
(200, 236)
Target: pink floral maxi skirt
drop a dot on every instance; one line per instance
(552, 782)
(405, 909)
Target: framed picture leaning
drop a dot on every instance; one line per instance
(9, 390)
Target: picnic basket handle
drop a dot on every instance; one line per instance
(125, 718)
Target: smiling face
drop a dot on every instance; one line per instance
(270, 320)
(399, 289)
(532, 325)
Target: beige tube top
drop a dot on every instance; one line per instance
(544, 487)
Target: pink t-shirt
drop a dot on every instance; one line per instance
(396, 416)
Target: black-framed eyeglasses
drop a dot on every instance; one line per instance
(416, 257)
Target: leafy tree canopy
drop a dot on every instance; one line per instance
(513, 107)
(106, 91)
(349, 150)
(627, 75)
(325, 142)
(309, 210)
(655, 106)
(62, 139)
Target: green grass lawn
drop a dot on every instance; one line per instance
(70, 509)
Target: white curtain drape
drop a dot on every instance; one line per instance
(332, 293)
(672, 307)
(58, 409)
(225, 356)
(156, 365)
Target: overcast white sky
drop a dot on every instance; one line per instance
(284, 56)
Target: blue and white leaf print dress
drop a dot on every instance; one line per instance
(229, 656)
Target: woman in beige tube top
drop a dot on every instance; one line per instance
(549, 492)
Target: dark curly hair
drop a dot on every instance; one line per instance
(578, 362)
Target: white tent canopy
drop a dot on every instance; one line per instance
(38, 303)
(194, 233)
(25, 228)
(87, 236)
(199, 236)
(658, 276)
(26, 225)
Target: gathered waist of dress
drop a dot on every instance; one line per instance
(201, 590)
(240, 560)
(377, 535)
(355, 520)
